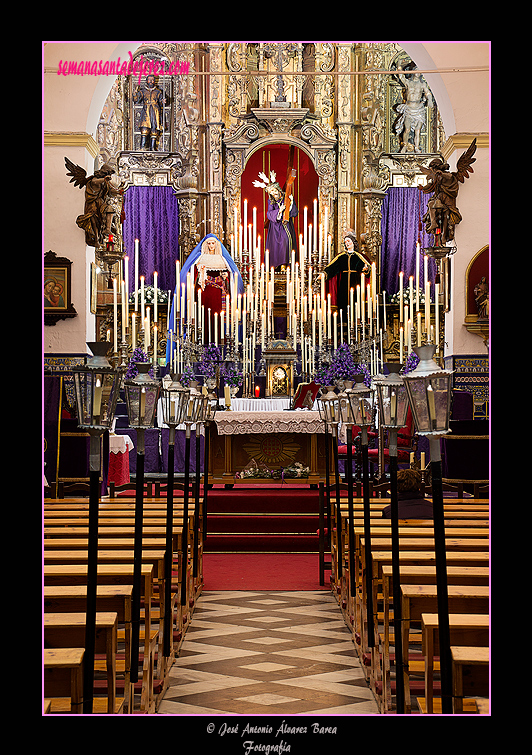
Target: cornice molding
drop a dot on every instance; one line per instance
(462, 141)
(71, 139)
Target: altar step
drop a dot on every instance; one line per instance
(262, 521)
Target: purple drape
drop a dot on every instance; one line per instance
(152, 217)
(402, 210)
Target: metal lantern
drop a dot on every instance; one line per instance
(142, 395)
(362, 400)
(393, 408)
(97, 386)
(174, 402)
(392, 398)
(429, 392)
(329, 408)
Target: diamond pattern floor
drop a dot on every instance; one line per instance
(264, 653)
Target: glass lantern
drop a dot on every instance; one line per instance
(174, 401)
(362, 401)
(392, 398)
(142, 395)
(329, 408)
(97, 386)
(429, 391)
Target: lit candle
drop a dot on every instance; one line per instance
(257, 391)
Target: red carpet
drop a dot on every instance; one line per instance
(262, 519)
(262, 571)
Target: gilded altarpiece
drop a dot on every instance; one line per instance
(336, 102)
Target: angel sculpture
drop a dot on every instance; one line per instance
(97, 220)
(442, 214)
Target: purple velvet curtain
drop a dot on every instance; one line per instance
(152, 217)
(402, 210)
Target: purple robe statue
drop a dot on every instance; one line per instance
(281, 238)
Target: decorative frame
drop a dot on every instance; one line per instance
(57, 289)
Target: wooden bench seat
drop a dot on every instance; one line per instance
(470, 674)
(63, 679)
(420, 599)
(465, 629)
(67, 630)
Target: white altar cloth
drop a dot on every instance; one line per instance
(244, 423)
(119, 444)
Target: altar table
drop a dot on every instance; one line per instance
(273, 439)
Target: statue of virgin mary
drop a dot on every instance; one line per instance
(212, 268)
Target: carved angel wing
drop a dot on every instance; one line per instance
(79, 175)
(465, 161)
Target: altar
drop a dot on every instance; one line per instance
(287, 445)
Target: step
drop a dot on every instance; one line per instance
(255, 523)
(275, 542)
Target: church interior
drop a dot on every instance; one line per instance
(266, 397)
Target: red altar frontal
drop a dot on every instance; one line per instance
(279, 441)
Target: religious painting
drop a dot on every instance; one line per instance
(57, 289)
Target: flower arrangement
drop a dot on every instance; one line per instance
(138, 356)
(211, 356)
(187, 376)
(395, 298)
(149, 295)
(411, 362)
(342, 367)
(231, 374)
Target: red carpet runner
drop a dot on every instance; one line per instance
(262, 537)
(259, 519)
(261, 571)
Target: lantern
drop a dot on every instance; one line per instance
(429, 392)
(97, 386)
(142, 395)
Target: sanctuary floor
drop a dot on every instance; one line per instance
(267, 653)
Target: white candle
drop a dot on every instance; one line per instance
(136, 275)
(417, 276)
(315, 224)
(216, 328)
(142, 313)
(124, 312)
(115, 316)
(155, 294)
(133, 331)
(401, 276)
(427, 309)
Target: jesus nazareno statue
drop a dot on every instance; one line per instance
(347, 268)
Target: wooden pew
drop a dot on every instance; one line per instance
(471, 630)
(155, 558)
(117, 574)
(419, 599)
(416, 575)
(63, 679)
(67, 630)
(109, 598)
(470, 674)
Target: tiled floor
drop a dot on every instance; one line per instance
(264, 653)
